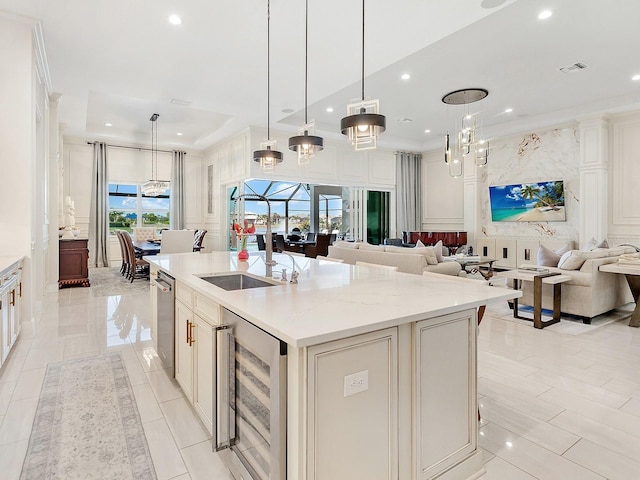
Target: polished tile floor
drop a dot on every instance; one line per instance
(559, 403)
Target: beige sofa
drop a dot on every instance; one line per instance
(409, 262)
(590, 292)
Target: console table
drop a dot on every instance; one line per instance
(632, 273)
(74, 263)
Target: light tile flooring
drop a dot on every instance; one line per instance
(559, 403)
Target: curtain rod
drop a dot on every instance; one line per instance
(135, 148)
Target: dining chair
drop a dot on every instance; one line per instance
(197, 240)
(138, 268)
(280, 246)
(311, 237)
(392, 268)
(123, 253)
(321, 246)
(143, 234)
(261, 243)
(176, 241)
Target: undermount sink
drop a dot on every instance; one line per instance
(236, 281)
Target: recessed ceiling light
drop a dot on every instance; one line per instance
(405, 76)
(175, 20)
(635, 78)
(427, 131)
(287, 110)
(543, 15)
(108, 125)
(179, 134)
(508, 110)
(329, 109)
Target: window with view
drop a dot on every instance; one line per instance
(129, 208)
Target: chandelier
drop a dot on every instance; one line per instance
(468, 141)
(154, 187)
(363, 124)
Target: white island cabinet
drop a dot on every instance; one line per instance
(10, 303)
(381, 366)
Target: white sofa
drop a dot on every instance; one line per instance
(406, 259)
(590, 292)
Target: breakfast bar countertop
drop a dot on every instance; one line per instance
(331, 300)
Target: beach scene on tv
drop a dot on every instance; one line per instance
(528, 202)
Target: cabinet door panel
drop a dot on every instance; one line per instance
(203, 373)
(184, 351)
(445, 378)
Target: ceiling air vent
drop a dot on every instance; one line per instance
(576, 67)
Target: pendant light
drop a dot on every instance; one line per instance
(268, 157)
(154, 187)
(468, 140)
(306, 145)
(363, 124)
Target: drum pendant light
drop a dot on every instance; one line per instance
(306, 145)
(268, 157)
(363, 124)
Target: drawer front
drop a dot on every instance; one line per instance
(205, 308)
(184, 294)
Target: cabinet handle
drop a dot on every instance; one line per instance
(191, 339)
(188, 339)
(13, 297)
(20, 290)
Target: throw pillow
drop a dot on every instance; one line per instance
(566, 248)
(572, 260)
(438, 248)
(547, 258)
(368, 246)
(419, 244)
(590, 245)
(603, 244)
(343, 244)
(428, 252)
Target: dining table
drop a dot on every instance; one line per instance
(147, 248)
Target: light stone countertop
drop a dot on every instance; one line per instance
(7, 261)
(332, 300)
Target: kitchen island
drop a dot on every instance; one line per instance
(380, 366)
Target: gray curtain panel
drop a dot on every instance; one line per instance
(99, 213)
(176, 213)
(409, 199)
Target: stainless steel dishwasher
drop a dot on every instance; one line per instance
(166, 322)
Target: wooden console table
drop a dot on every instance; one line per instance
(74, 263)
(552, 278)
(632, 273)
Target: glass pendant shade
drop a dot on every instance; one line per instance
(481, 153)
(306, 144)
(268, 157)
(447, 150)
(153, 188)
(455, 167)
(363, 124)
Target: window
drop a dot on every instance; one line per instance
(129, 208)
(330, 215)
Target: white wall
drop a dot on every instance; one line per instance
(125, 165)
(442, 195)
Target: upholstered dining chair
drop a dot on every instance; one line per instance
(311, 237)
(261, 243)
(197, 240)
(176, 241)
(123, 252)
(143, 234)
(280, 246)
(138, 268)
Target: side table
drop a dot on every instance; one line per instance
(632, 274)
(550, 278)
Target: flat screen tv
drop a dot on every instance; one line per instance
(528, 202)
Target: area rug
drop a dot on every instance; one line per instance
(108, 281)
(87, 425)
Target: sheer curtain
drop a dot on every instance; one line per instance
(99, 213)
(176, 213)
(408, 192)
